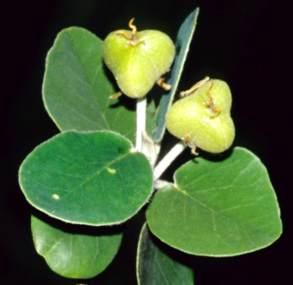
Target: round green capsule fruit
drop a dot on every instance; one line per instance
(138, 59)
(203, 119)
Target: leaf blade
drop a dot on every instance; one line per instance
(74, 254)
(183, 42)
(154, 266)
(229, 208)
(91, 178)
(76, 90)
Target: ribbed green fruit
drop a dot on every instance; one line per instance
(138, 59)
(203, 118)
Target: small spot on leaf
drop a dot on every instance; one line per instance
(111, 170)
(55, 196)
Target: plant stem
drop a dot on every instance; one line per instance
(158, 184)
(168, 159)
(140, 122)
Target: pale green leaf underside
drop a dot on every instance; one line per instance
(218, 208)
(76, 89)
(74, 255)
(155, 267)
(92, 178)
(183, 42)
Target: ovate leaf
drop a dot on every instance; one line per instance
(76, 90)
(71, 254)
(155, 267)
(217, 208)
(93, 178)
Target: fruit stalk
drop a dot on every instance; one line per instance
(176, 150)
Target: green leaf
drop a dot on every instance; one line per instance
(92, 178)
(76, 90)
(217, 208)
(155, 267)
(71, 254)
(183, 42)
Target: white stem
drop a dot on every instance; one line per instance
(168, 159)
(161, 184)
(140, 122)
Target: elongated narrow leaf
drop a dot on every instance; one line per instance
(218, 208)
(71, 254)
(92, 178)
(76, 90)
(155, 267)
(183, 42)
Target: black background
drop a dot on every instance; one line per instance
(244, 42)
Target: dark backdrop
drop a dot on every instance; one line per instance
(244, 42)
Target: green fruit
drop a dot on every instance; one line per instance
(203, 118)
(138, 59)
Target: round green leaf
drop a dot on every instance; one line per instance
(217, 208)
(74, 255)
(93, 178)
(76, 90)
(155, 267)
